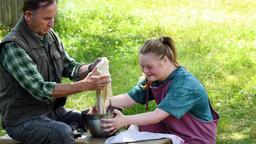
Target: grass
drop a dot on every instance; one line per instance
(215, 40)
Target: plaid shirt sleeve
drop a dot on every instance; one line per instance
(71, 68)
(18, 63)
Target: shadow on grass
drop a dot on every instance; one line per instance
(237, 128)
(237, 141)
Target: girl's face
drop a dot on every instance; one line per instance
(153, 67)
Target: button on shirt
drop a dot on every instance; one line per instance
(185, 95)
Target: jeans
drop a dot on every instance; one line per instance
(53, 129)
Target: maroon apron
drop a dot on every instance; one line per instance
(189, 128)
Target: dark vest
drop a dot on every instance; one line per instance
(16, 103)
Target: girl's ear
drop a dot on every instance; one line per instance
(165, 59)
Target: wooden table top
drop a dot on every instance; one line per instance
(88, 139)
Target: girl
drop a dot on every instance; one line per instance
(183, 107)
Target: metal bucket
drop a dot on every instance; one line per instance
(92, 123)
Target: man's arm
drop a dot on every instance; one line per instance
(18, 63)
(76, 71)
(87, 68)
(89, 83)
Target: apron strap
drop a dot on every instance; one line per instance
(147, 99)
(147, 87)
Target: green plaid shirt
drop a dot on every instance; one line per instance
(18, 63)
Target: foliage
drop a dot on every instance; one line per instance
(215, 41)
(3, 30)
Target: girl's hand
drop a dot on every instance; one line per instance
(93, 110)
(111, 125)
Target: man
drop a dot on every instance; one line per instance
(32, 64)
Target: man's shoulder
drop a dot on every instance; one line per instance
(11, 38)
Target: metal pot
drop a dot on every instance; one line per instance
(92, 122)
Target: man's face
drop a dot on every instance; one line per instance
(41, 20)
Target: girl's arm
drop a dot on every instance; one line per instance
(122, 100)
(110, 125)
(146, 118)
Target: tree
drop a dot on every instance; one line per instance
(10, 11)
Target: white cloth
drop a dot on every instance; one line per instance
(133, 135)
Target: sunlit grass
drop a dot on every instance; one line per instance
(215, 41)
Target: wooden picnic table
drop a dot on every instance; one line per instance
(88, 139)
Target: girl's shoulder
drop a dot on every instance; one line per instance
(185, 79)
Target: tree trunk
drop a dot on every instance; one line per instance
(10, 11)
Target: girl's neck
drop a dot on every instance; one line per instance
(169, 69)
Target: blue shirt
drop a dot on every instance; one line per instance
(185, 95)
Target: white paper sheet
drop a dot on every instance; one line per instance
(133, 135)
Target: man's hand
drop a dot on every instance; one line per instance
(85, 70)
(94, 81)
(92, 65)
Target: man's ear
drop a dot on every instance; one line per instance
(27, 15)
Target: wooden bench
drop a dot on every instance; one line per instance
(87, 139)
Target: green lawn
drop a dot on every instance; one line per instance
(215, 40)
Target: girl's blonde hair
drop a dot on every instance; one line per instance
(163, 46)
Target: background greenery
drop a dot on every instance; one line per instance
(215, 40)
